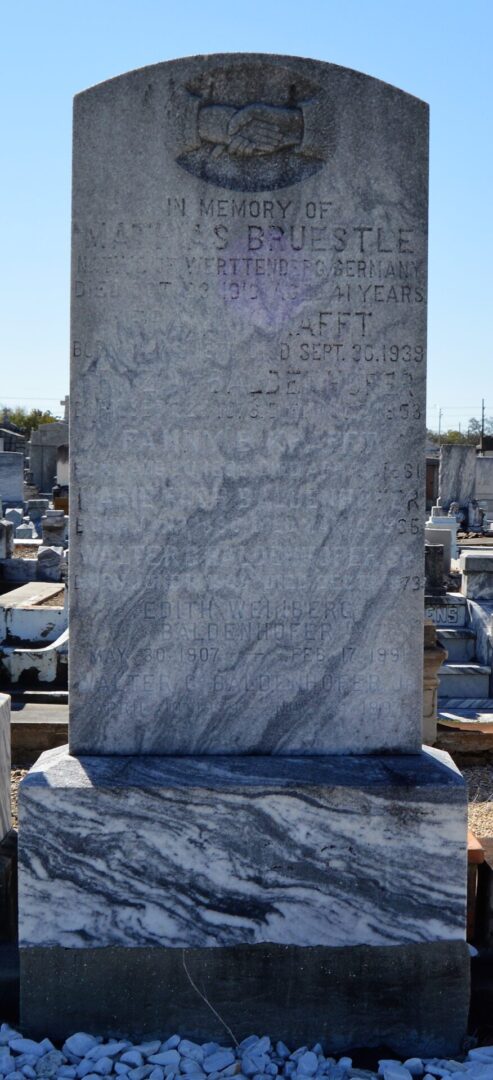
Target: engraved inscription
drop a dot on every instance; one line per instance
(248, 413)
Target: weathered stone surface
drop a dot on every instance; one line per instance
(11, 478)
(457, 476)
(6, 539)
(472, 563)
(62, 465)
(448, 610)
(434, 570)
(50, 563)
(441, 538)
(401, 997)
(435, 655)
(477, 576)
(54, 528)
(222, 851)
(249, 313)
(15, 515)
(5, 814)
(484, 482)
(43, 450)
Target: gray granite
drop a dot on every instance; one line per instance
(207, 852)
(457, 475)
(407, 996)
(5, 813)
(11, 478)
(248, 345)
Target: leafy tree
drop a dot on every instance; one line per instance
(475, 426)
(27, 421)
(469, 437)
(451, 436)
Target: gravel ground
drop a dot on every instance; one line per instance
(16, 774)
(480, 782)
(54, 601)
(83, 1055)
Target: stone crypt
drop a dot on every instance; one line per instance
(245, 815)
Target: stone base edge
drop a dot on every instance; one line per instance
(8, 887)
(411, 999)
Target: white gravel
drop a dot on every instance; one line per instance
(89, 1057)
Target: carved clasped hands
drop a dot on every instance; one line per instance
(252, 130)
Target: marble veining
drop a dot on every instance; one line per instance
(258, 581)
(211, 852)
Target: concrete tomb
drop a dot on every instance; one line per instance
(54, 528)
(11, 478)
(245, 804)
(36, 508)
(475, 516)
(484, 482)
(457, 477)
(43, 452)
(465, 475)
(477, 575)
(441, 519)
(6, 539)
(434, 570)
(26, 531)
(14, 515)
(62, 466)
(441, 538)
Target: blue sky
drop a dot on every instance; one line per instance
(439, 50)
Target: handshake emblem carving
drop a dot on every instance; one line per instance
(271, 142)
(251, 130)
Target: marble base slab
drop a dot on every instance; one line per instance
(5, 813)
(209, 852)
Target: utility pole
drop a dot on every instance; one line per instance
(439, 427)
(482, 418)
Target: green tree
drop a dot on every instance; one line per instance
(452, 436)
(28, 421)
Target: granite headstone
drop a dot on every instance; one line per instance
(243, 291)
